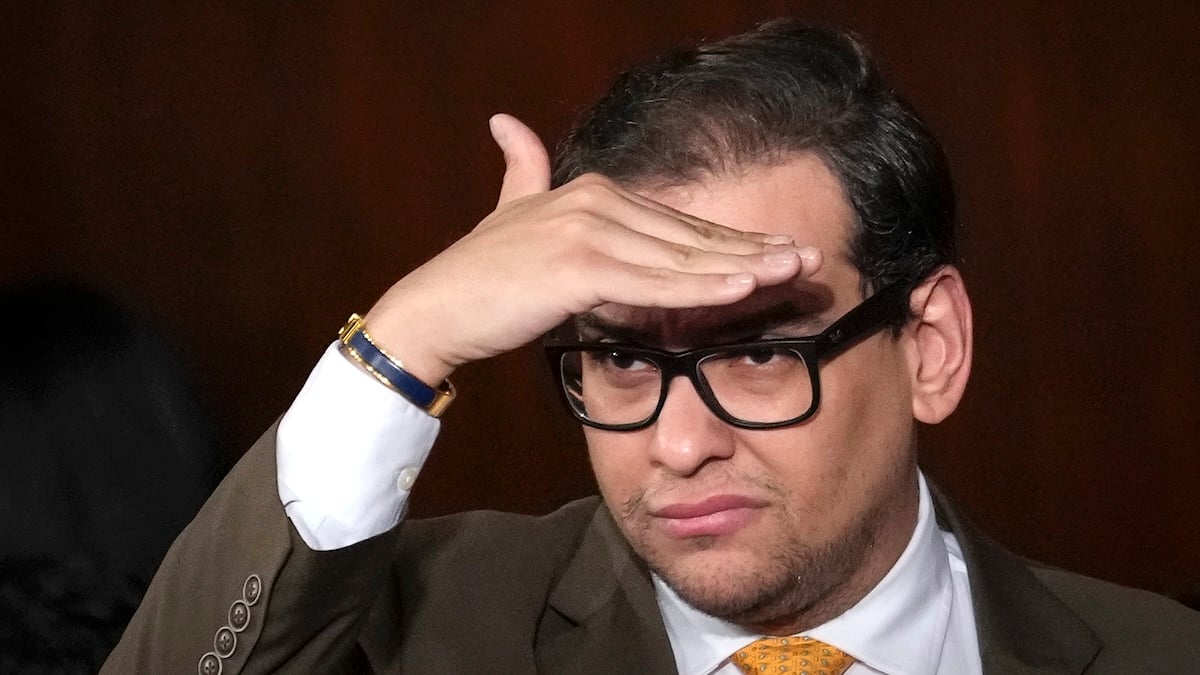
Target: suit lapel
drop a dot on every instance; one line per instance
(1023, 628)
(602, 616)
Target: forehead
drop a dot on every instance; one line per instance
(799, 197)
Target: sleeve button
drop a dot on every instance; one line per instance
(239, 616)
(251, 589)
(210, 664)
(225, 642)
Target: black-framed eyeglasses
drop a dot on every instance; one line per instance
(762, 384)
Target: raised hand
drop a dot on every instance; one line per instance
(544, 255)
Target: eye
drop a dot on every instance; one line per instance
(761, 361)
(619, 360)
(761, 356)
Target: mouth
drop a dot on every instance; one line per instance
(713, 516)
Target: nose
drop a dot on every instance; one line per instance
(687, 434)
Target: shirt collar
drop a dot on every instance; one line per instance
(899, 627)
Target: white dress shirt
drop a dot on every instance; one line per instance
(349, 451)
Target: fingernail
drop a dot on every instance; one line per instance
(778, 239)
(740, 279)
(496, 128)
(780, 258)
(809, 254)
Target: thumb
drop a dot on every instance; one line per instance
(526, 163)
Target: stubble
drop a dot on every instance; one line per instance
(792, 585)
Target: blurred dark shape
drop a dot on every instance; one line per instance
(1190, 598)
(105, 455)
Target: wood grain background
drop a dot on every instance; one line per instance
(251, 174)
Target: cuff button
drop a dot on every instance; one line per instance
(407, 478)
(252, 589)
(239, 616)
(210, 664)
(225, 642)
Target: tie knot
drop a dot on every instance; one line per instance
(793, 655)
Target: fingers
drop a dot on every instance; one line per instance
(767, 263)
(600, 226)
(811, 260)
(657, 287)
(526, 163)
(701, 230)
(634, 285)
(598, 196)
(703, 278)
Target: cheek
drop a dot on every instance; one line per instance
(868, 407)
(615, 462)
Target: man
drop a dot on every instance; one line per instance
(746, 274)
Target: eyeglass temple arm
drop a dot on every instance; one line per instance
(860, 321)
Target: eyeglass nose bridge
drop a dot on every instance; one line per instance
(687, 366)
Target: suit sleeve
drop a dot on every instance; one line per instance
(240, 592)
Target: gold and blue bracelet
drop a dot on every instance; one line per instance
(359, 346)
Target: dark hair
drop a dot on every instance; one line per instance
(760, 97)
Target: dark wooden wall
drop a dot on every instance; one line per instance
(251, 175)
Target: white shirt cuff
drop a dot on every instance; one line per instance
(348, 452)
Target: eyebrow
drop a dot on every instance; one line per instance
(788, 315)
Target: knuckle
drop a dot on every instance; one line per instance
(657, 280)
(590, 191)
(684, 256)
(592, 180)
(705, 236)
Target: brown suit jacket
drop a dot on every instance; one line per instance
(488, 592)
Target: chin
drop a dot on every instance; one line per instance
(787, 584)
(719, 581)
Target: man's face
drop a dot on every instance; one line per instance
(769, 528)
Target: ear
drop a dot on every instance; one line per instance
(939, 345)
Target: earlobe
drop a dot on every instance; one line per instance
(941, 344)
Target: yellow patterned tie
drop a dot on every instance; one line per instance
(791, 655)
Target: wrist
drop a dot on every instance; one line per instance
(406, 339)
(360, 347)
